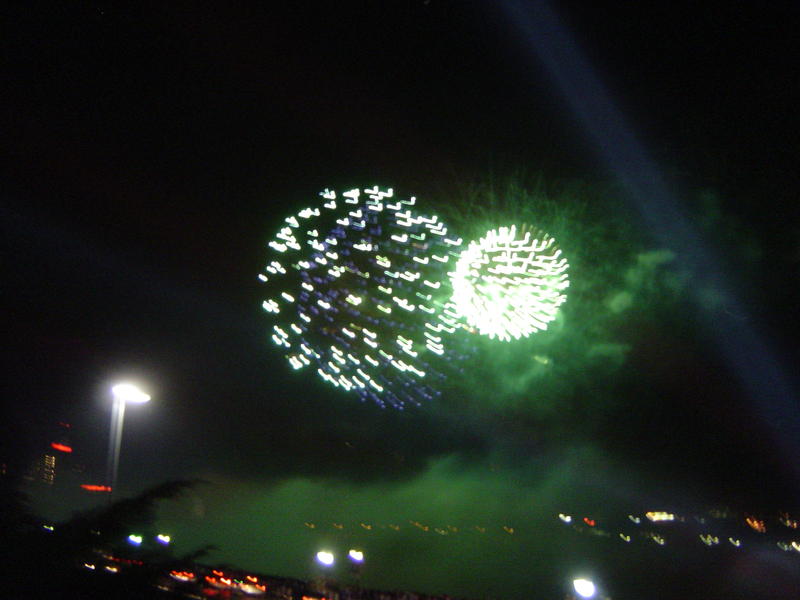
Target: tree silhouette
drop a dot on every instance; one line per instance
(39, 562)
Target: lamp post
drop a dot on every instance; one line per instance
(356, 564)
(123, 393)
(325, 561)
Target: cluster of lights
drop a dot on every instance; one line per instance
(109, 568)
(113, 568)
(709, 539)
(756, 524)
(136, 540)
(249, 584)
(444, 530)
(365, 291)
(793, 546)
(656, 516)
(788, 521)
(355, 286)
(510, 283)
(327, 559)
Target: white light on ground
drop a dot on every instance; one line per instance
(325, 558)
(584, 588)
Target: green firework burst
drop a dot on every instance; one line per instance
(510, 283)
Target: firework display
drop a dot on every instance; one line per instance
(358, 288)
(510, 283)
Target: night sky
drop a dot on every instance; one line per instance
(150, 154)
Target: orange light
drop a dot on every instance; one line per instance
(61, 447)
(96, 488)
(589, 522)
(756, 524)
(788, 521)
(217, 573)
(251, 578)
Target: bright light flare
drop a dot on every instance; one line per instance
(163, 539)
(127, 392)
(136, 540)
(356, 555)
(510, 283)
(325, 558)
(585, 588)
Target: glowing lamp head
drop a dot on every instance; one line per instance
(163, 539)
(510, 283)
(325, 558)
(127, 392)
(356, 556)
(136, 540)
(585, 588)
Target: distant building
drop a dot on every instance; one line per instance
(43, 469)
(57, 460)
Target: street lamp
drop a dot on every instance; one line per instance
(123, 393)
(357, 556)
(356, 564)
